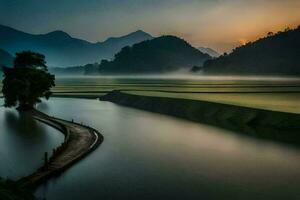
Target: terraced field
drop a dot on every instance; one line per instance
(279, 94)
(284, 102)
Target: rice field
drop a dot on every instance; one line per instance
(278, 94)
(284, 102)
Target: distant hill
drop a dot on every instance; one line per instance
(76, 70)
(5, 59)
(275, 54)
(63, 50)
(162, 54)
(209, 51)
(114, 44)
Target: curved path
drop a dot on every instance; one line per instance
(79, 141)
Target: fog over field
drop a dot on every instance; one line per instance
(149, 99)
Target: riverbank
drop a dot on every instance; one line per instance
(259, 123)
(79, 141)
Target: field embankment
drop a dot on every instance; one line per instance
(79, 141)
(265, 124)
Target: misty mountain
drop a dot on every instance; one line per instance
(162, 54)
(275, 54)
(209, 51)
(74, 70)
(5, 59)
(61, 49)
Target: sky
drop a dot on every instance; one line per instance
(219, 24)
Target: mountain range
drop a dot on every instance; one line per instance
(63, 50)
(5, 59)
(274, 54)
(159, 55)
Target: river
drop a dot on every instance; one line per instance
(151, 156)
(23, 142)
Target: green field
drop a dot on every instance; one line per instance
(284, 102)
(278, 94)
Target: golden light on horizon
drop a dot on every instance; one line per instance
(243, 41)
(218, 24)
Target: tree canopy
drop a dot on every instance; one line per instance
(27, 81)
(28, 59)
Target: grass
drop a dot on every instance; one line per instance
(271, 94)
(284, 102)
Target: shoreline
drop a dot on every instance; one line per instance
(80, 140)
(258, 123)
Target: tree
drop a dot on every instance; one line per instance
(270, 33)
(27, 81)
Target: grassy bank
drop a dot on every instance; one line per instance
(265, 124)
(283, 102)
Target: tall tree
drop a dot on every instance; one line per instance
(27, 81)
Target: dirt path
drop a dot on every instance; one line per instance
(79, 141)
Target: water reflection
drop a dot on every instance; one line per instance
(151, 156)
(22, 124)
(23, 141)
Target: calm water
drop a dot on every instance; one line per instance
(23, 142)
(151, 156)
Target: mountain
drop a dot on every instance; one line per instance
(61, 49)
(5, 59)
(76, 70)
(209, 51)
(115, 44)
(162, 54)
(275, 54)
